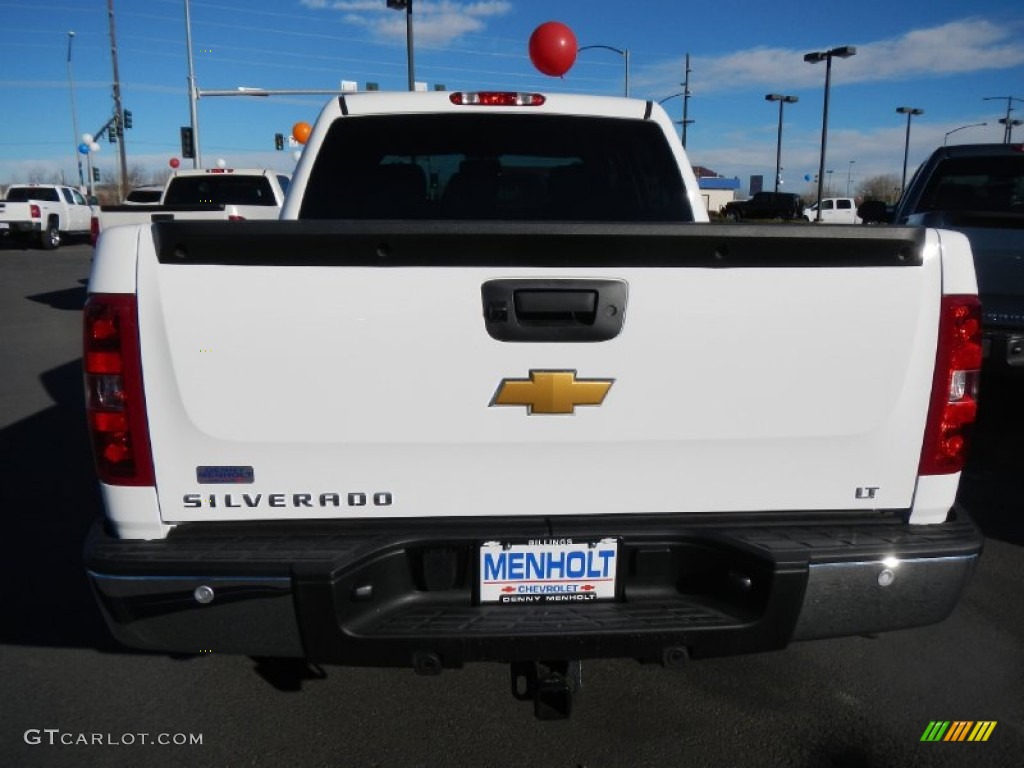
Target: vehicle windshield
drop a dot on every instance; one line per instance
(486, 166)
(25, 194)
(220, 189)
(993, 184)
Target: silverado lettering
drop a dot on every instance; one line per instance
(279, 500)
(433, 244)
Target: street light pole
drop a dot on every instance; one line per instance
(849, 172)
(74, 113)
(843, 52)
(406, 5)
(623, 53)
(972, 125)
(783, 100)
(1010, 124)
(909, 112)
(1008, 131)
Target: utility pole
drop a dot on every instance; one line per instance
(686, 99)
(118, 113)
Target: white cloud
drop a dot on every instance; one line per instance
(967, 45)
(436, 22)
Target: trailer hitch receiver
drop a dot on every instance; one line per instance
(551, 686)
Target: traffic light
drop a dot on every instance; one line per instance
(278, 141)
(188, 147)
(112, 135)
(95, 174)
(127, 118)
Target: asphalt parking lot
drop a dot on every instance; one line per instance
(862, 701)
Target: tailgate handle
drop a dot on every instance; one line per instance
(555, 309)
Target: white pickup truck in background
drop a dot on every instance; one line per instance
(834, 210)
(493, 389)
(211, 194)
(44, 214)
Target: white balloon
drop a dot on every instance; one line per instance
(87, 138)
(221, 163)
(95, 147)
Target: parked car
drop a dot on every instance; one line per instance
(492, 389)
(977, 189)
(834, 210)
(766, 205)
(210, 194)
(45, 214)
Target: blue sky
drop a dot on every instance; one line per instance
(941, 56)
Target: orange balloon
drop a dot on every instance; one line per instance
(301, 131)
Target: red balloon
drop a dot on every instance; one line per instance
(553, 48)
(174, 162)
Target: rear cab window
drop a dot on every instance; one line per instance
(26, 194)
(495, 166)
(993, 184)
(220, 189)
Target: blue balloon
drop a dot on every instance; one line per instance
(83, 148)
(807, 177)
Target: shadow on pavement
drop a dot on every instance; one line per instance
(67, 299)
(992, 486)
(50, 498)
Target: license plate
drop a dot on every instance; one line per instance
(4, 225)
(548, 571)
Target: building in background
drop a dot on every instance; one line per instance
(716, 190)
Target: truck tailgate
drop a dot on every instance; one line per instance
(320, 370)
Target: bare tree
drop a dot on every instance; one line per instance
(44, 176)
(159, 177)
(136, 177)
(883, 187)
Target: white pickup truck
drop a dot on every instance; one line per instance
(834, 210)
(44, 214)
(494, 390)
(210, 194)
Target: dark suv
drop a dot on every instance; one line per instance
(766, 205)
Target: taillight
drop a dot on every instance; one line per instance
(954, 401)
(114, 403)
(34, 210)
(496, 99)
(94, 230)
(235, 217)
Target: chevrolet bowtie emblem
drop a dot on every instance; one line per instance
(551, 392)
